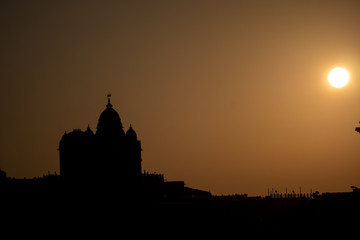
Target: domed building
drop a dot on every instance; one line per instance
(108, 156)
(109, 126)
(111, 157)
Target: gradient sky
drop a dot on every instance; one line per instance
(228, 96)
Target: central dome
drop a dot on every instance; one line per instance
(109, 124)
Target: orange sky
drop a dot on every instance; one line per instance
(228, 96)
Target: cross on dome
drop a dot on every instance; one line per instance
(109, 104)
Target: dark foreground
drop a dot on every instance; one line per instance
(104, 212)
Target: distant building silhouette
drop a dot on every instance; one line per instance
(108, 156)
(107, 162)
(112, 158)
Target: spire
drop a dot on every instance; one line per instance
(89, 131)
(109, 104)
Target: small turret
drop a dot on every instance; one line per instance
(131, 134)
(89, 131)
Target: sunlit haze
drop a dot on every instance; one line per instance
(228, 96)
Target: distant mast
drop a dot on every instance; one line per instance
(357, 129)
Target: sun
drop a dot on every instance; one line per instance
(338, 77)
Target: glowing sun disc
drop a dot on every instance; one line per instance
(338, 77)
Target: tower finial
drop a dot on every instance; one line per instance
(109, 104)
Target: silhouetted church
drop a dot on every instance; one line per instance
(108, 156)
(108, 161)
(112, 158)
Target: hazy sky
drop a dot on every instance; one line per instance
(228, 96)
